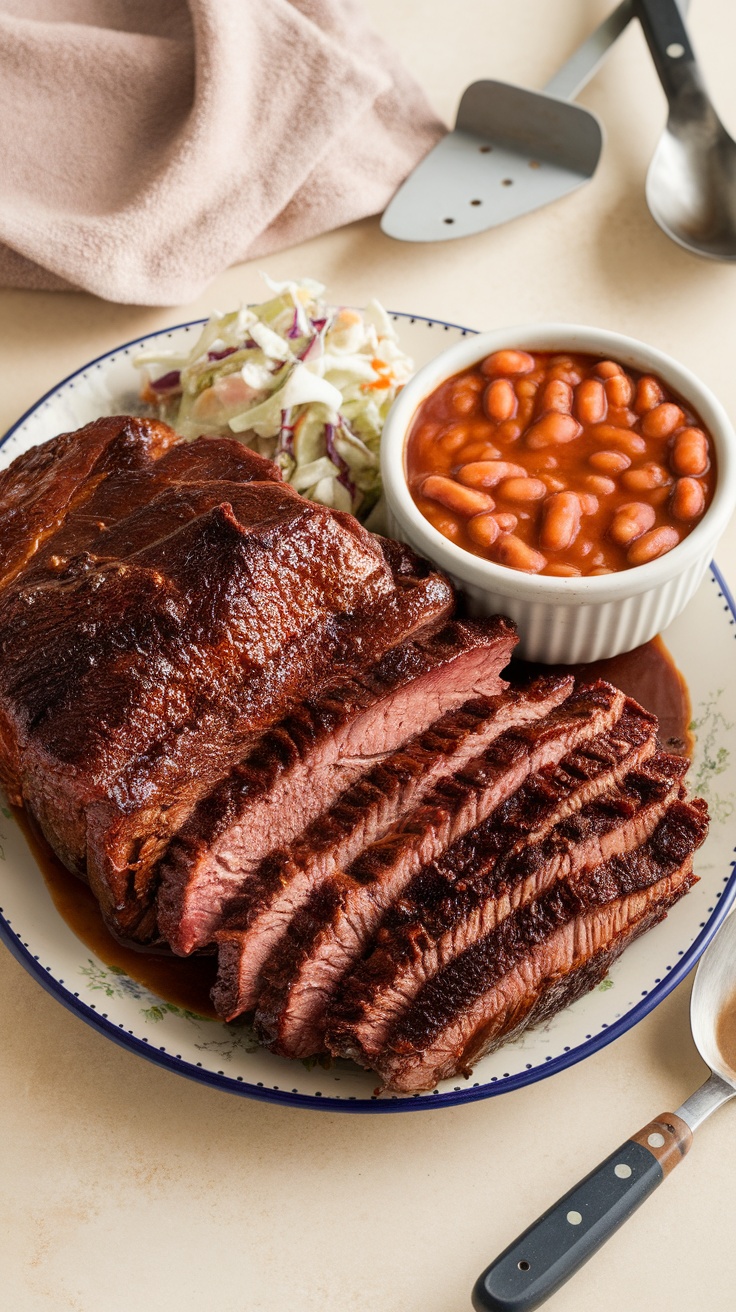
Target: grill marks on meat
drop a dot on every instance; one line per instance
(493, 989)
(300, 767)
(328, 936)
(549, 977)
(449, 907)
(361, 815)
(164, 604)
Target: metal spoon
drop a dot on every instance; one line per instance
(691, 183)
(562, 1240)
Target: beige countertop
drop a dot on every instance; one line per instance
(124, 1187)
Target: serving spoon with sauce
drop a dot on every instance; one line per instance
(534, 1266)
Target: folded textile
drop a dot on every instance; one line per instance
(147, 146)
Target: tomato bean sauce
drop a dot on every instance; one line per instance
(559, 464)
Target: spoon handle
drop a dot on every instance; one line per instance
(562, 1240)
(669, 43)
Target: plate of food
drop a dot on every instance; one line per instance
(334, 850)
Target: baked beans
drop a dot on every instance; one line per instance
(559, 464)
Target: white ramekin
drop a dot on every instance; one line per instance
(575, 619)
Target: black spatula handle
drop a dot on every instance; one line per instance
(563, 1239)
(669, 43)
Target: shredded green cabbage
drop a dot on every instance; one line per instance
(301, 382)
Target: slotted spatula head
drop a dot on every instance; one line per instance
(511, 152)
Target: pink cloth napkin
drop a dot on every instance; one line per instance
(149, 144)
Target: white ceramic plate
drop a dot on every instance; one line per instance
(226, 1056)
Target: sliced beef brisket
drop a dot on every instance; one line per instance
(329, 935)
(361, 814)
(433, 933)
(498, 986)
(247, 720)
(301, 766)
(547, 979)
(164, 604)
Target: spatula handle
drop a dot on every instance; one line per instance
(562, 1240)
(577, 71)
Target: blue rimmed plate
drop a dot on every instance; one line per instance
(226, 1056)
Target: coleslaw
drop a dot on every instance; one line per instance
(303, 383)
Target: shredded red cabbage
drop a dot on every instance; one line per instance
(317, 339)
(306, 351)
(343, 474)
(286, 434)
(167, 382)
(220, 355)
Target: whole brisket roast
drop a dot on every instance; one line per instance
(257, 729)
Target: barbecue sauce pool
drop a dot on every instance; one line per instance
(185, 981)
(648, 674)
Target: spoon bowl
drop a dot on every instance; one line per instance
(691, 186)
(713, 1001)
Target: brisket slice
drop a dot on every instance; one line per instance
(302, 765)
(361, 814)
(530, 966)
(157, 618)
(329, 935)
(410, 953)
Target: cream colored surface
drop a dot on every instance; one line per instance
(123, 1187)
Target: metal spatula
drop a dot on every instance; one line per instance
(511, 151)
